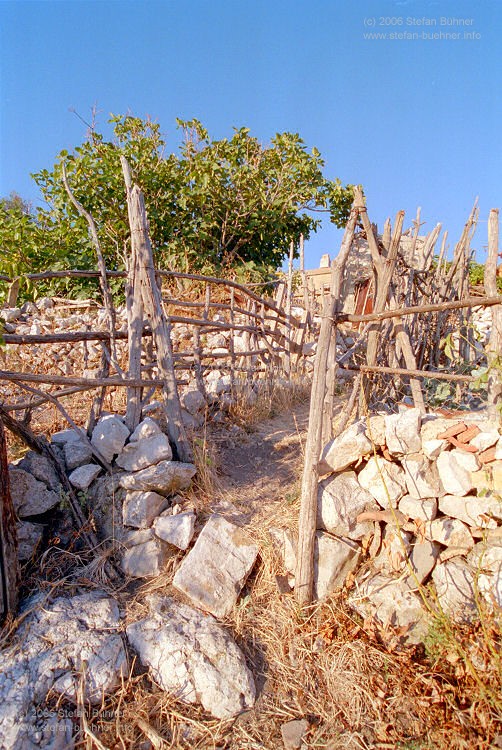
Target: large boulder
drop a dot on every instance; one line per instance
(48, 654)
(193, 657)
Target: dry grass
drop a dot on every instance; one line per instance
(323, 664)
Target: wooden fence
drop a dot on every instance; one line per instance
(415, 309)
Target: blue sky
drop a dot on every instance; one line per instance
(416, 121)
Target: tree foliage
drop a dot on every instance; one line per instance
(228, 205)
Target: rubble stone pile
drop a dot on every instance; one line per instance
(186, 651)
(404, 501)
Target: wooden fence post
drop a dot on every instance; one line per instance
(160, 323)
(493, 354)
(9, 565)
(308, 507)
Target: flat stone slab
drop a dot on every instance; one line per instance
(453, 534)
(340, 500)
(145, 559)
(475, 511)
(334, 559)
(177, 530)
(422, 478)
(215, 570)
(424, 509)
(166, 478)
(76, 453)
(145, 452)
(454, 581)
(191, 656)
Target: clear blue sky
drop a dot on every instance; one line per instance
(416, 121)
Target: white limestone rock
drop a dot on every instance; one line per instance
(194, 658)
(146, 559)
(166, 478)
(84, 476)
(375, 429)
(432, 448)
(65, 436)
(293, 732)
(340, 500)
(177, 530)
(423, 558)
(76, 453)
(47, 654)
(140, 509)
(402, 432)
(423, 509)
(384, 480)
(286, 544)
(432, 426)
(455, 469)
(393, 605)
(454, 581)
(145, 452)
(422, 478)
(485, 439)
(216, 568)
(480, 512)
(396, 546)
(345, 449)
(453, 534)
(193, 401)
(109, 436)
(146, 429)
(29, 496)
(334, 559)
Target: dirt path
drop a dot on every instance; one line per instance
(262, 468)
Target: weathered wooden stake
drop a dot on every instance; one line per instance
(159, 322)
(9, 565)
(494, 352)
(308, 508)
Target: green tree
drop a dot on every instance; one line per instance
(214, 206)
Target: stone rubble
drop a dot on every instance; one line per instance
(192, 656)
(418, 503)
(47, 654)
